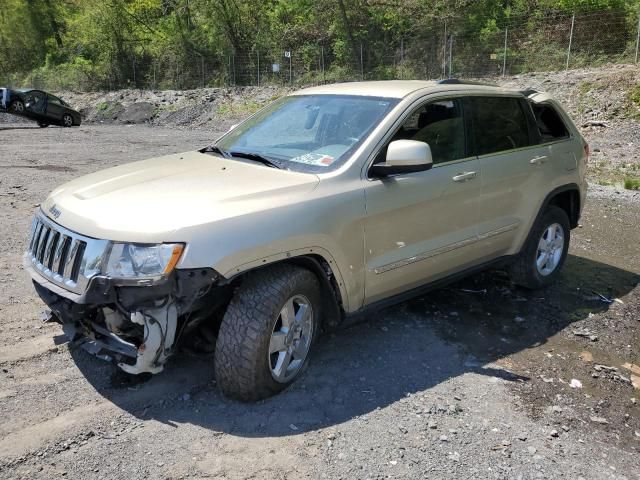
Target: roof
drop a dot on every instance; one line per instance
(390, 88)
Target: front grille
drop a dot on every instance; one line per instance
(64, 257)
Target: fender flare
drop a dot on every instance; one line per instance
(293, 256)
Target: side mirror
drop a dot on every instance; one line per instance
(404, 156)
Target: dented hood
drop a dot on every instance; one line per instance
(154, 200)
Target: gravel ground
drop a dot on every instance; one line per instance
(470, 381)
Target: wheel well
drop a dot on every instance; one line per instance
(331, 297)
(569, 201)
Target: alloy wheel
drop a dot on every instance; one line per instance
(550, 248)
(291, 338)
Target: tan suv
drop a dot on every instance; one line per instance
(327, 203)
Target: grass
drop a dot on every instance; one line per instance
(632, 183)
(634, 97)
(245, 108)
(102, 106)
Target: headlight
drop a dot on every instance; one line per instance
(129, 260)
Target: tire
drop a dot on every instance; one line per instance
(543, 255)
(43, 125)
(17, 106)
(244, 365)
(67, 120)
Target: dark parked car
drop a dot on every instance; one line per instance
(44, 108)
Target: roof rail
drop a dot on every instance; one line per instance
(457, 81)
(527, 92)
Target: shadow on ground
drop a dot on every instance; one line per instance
(401, 350)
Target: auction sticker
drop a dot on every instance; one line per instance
(318, 159)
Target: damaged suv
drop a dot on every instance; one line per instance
(328, 203)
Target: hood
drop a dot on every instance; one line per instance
(153, 200)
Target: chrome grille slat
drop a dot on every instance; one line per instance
(61, 254)
(47, 259)
(58, 254)
(44, 237)
(68, 268)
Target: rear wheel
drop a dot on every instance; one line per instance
(67, 120)
(17, 106)
(267, 332)
(544, 254)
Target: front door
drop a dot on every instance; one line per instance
(423, 226)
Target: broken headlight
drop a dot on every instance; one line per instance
(130, 260)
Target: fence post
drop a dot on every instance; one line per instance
(444, 52)
(258, 55)
(401, 58)
(450, 55)
(573, 21)
(290, 68)
(134, 71)
(638, 39)
(504, 58)
(324, 80)
(361, 63)
(202, 65)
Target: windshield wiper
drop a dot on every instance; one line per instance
(257, 157)
(215, 149)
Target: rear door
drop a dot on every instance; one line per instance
(513, 164)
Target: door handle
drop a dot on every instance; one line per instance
(538, 160)
(464, 176)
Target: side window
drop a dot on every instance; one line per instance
(549, 123)
(54, 100)
(440, 124)
(499, 124)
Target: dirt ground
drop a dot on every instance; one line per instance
(470, 381)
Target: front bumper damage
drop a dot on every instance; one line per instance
(138, 326)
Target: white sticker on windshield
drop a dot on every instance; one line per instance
(318, 159)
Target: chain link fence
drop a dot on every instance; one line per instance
(452, 49)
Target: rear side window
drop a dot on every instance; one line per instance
(499, 124)
(549, 123)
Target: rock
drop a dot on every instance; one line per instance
(604, 368)
(565, 428)
(432, 425)
(601, 420)
(444, 438)
(575, 383)
(532, 450)
(556, 409)
(522, 437)
(455, 456)
(554, 433)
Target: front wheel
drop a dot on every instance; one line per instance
(267, 332)
(17, 106)
(545, 251)
(67, 120)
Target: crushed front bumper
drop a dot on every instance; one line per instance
(136, 326)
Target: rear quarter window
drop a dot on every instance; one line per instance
(499, 124)
(549, 123)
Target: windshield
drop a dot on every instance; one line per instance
(310, 133)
